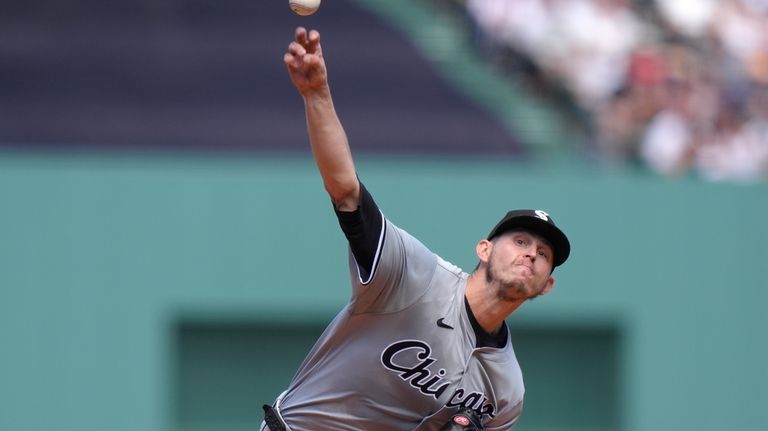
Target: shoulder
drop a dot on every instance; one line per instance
(450, 268)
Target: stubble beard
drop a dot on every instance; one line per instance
(509, 290)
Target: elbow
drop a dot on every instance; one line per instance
(345, 196)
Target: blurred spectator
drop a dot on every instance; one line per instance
(737, 150)
(677, 84)
(670, 140)
(587, 43)
(691, 18)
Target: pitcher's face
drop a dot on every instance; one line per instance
(520, 264)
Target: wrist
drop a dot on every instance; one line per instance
(322, 92)
(319, 98)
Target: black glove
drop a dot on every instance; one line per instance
(464, 420)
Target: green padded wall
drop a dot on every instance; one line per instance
(104, 258)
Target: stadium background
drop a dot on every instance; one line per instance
(167, 255)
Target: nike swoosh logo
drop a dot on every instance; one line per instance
(441, 323)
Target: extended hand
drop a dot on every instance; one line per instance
(305, 63)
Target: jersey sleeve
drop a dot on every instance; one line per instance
(364, 229)
(389, 269)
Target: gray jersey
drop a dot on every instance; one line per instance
(401, 355)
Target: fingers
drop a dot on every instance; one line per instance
(289, 61)
(304, 61)
(312, 61)
(309, 40)
(301, 35)
(313, 42)
(297, 56)
(304, 50)
(296, 49)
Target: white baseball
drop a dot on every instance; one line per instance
(304, 7)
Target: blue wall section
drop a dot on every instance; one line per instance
(100, 256)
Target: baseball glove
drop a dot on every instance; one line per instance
(464, 420)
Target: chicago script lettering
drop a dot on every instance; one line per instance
(417, 375)
(414, 369)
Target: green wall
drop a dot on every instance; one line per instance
(104, 258)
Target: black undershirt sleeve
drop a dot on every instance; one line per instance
(362, 228)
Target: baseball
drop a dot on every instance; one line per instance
(304, 7)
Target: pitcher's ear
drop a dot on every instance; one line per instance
(549, 286)
(483, 250)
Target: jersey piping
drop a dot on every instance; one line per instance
(377, 254)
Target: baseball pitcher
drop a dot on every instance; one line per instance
(421, 344)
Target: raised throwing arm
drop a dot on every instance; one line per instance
(330, 148)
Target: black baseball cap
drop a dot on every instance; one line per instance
(540, 223)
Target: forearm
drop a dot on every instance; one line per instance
(331, 151)
(330, 148)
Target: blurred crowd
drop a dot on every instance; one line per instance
(679, 85)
